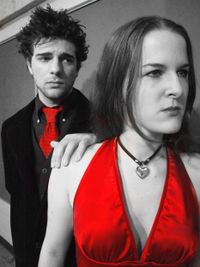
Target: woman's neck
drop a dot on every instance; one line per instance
(140, 146)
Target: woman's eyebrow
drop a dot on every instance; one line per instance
(155, 65)
(158, 65)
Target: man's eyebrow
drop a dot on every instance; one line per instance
(67, 55)
(43, 54)
(60, 55)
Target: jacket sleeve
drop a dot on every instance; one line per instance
(8, 159)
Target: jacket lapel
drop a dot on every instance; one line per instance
(23, 146)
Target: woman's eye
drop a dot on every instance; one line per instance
(154, 73)
(183, 73)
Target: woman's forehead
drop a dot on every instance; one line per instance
(164, 45)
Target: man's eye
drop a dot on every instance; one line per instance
(68, 60)
(183, 73)
(154, 73)
(43, 59)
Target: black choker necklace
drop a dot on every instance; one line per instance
(142, 170)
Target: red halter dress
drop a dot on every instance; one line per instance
(102, 228)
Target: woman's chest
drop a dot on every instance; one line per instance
(111, 214)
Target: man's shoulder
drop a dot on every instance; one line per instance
(80, 96)
(25, 112)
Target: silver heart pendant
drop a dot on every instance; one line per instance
(142, 171)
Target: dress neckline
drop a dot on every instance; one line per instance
(144, 253)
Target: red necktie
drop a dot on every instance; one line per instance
(50, 131)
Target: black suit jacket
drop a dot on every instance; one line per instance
(28, 211)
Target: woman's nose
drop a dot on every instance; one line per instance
(175, 86)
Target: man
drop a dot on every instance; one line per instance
(54, 47)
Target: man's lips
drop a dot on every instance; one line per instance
(55, 83)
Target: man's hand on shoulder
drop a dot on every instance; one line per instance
(71, 146)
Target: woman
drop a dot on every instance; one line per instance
(133, 199)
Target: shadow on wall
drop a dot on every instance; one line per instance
(89, 86)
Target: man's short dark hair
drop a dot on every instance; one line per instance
(51, 24)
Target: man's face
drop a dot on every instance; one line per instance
(54, 69)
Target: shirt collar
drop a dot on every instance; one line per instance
(38, 106)
(66, 104)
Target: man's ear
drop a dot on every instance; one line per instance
(28, 64)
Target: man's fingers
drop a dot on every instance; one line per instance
(53, 144)
(79, 148)
(82, 147)
(69, 152)
(71, 146)
(57, 155)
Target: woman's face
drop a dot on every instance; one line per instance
(162, 89)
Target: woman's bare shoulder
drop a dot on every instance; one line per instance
(67, 178)
(191, 160)
(192, 164)
(75, 167)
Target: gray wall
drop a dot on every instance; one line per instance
(100, 19)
